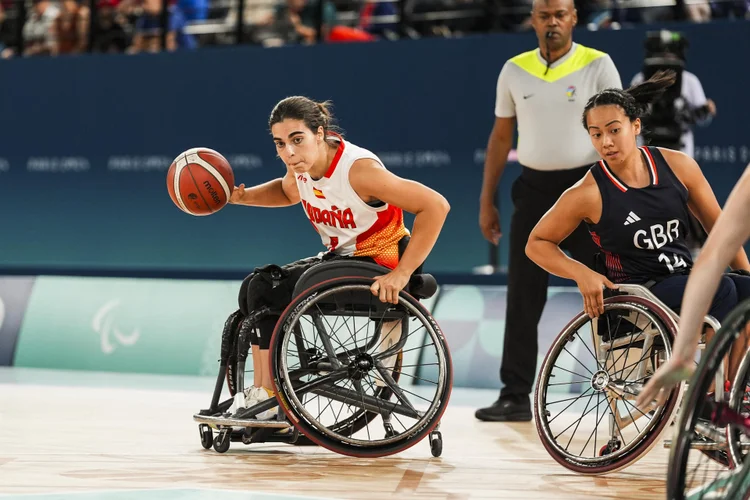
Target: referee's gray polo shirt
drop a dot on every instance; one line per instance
(548, 108)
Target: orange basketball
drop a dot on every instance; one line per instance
(200, 181)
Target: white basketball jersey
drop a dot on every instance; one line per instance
(346, 224)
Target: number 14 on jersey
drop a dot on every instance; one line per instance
(676, 263)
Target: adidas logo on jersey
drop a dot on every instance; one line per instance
(632, 219)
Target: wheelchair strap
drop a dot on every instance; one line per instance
(273, 274)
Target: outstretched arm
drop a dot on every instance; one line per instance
(371, 181)
(276, 193)
(575, 205)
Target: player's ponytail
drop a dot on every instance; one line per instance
(635, 100)
(652, 89)
(313, 114)
(323, 107)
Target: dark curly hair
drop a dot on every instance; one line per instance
(634, 101)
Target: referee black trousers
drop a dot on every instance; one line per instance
(533, 194)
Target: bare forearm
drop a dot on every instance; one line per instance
(494, 165)
(270, 194)
(699, 292)
(552, 259)
(425, 232)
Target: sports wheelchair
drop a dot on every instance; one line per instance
(595, 369)
(352, 374)
(690, 475)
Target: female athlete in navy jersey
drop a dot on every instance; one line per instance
(635, 202)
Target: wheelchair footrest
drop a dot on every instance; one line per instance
(239, 422)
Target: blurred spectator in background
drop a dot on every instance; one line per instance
(134, 25)
(257, 15)
(295, 21)
(148, 29)
(38, 31)
(194, 10)
(72, 28)
(733, 9)
(5, 51)
(597, 14)
(110, 31)
(698, 11)
(8, 28)
(510, 15)
(376, 9)
(255, 11)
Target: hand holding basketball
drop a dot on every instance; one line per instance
(237, 194)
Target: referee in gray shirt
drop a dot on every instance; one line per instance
(544, 91)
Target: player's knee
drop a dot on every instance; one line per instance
(268, 286)
(254, 293)
(724, 300)
(726, 291)
(742, 284)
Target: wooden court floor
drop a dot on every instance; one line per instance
(75, 435)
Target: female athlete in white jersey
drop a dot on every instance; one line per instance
(731, 230)
(353, 202)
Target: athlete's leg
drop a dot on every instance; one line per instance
(671, 290)
(268, 288)
(272, 287)
(250, 328)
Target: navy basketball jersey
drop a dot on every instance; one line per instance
(642, 231)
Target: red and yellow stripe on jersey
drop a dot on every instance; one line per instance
(347, 225)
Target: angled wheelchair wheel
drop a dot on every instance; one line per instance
(585, 395)
(358, 376)
(354, 422)
(240, 373)
(739, 402)
(705, 424)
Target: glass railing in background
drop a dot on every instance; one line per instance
(46, 27)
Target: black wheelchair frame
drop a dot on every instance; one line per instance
(293, 424)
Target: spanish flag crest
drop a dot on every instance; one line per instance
(318, 193)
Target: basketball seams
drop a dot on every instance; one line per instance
(212, 170)
(198, 189)
(210, 165)
(176, 183)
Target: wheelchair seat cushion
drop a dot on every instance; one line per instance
(421, 286)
